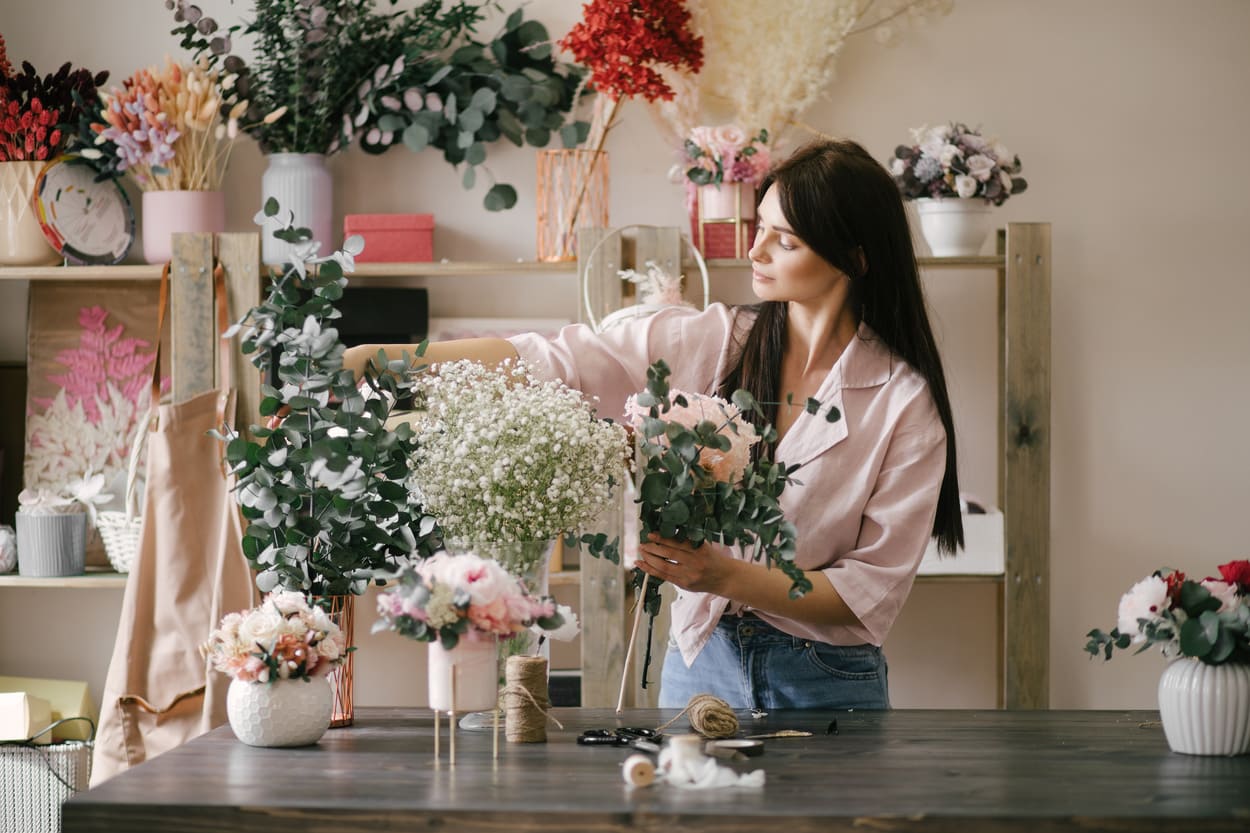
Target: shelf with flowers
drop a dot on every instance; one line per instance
(721, 167)
(34, 110)
(955, 175)
(1203, 628)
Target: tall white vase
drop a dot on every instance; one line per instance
(466, 678)
(301, 184)
(1205, 709)
(955, 227)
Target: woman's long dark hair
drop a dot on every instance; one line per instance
(843, 204)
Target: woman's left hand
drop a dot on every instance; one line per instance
(703, 569)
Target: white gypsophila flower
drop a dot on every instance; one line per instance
(503, 456)
(1147, 599)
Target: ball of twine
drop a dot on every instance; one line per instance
(526, 701)
(710, 716)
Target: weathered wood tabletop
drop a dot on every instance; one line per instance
(901, 770)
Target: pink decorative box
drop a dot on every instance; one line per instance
(393, 238)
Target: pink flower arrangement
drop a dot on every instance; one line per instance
(691, 410)
(285, 638)
(714, 155)
(453, 597)
(1208, 620)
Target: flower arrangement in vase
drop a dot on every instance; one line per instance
(955, 174)
(278, 656)
(1204, 628)
(462, 604)
(34, 110)
(706, 474)
(721, 167)
(169, 128)
(362, 70)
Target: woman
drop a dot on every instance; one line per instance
(843, 320)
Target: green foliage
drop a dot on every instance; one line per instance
(468, 94)
(322, 490)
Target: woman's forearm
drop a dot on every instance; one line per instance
(768, 589)
(485, 350)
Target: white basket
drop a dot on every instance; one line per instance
(36, 779)
(120, 530)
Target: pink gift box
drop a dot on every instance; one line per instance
(393, 238)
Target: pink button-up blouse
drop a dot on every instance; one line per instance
(869, 482)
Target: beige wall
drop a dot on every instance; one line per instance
(1130, 118)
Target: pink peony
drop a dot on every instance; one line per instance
(722, 466)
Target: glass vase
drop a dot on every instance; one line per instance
(572, 194)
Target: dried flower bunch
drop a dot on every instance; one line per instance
(33, 108)
(168, 127)
(954, 160)
(502, 456)
(323, 490)
(447, 598)
(1208, 620)
(285, 638)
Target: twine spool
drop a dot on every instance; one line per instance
(710, 716)
(526, 700)
(638, 771)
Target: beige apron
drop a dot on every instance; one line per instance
(189, 571)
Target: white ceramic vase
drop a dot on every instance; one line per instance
(167, 212)
(465, 678)
(955, 227)
(281, 713)
(51, 545)
(21, 240)
(1205, 709)
(301, 184)
(718, 202)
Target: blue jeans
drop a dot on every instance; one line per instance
(751, 665)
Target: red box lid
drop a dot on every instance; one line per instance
(354, 223)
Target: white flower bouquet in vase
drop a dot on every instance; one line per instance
(507, 464)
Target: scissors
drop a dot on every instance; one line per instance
(645, 740)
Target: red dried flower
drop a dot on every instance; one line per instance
(619, 42)
(6, 68)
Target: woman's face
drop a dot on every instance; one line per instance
(783, 267)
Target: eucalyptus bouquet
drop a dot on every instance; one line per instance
(1208, 620)
(322, 489)
(702, 480)
(365, 70)
(501, 456)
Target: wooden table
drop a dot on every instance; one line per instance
(902, 770)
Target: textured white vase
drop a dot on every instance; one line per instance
(167, 212)
(466, 678)
(281, 713)
(1205, 709)
(51, 545)
(21, 240)
(301, 184)
(954, 227)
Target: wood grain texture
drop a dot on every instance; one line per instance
(1024, 436)
(193, 339)
(978, 771)
(239, 254)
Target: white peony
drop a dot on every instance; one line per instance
(566, 632)
(1147, 599)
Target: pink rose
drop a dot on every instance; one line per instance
(728, 139)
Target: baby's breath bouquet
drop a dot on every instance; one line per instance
(502, 456)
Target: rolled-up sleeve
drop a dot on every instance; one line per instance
(610, 366)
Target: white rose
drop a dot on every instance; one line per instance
(897, 166)
(948, 154)
(261, 626)
(965, 186)
(980, 167)
(1147, 599)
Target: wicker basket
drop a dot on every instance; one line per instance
(36, 779)
(120, 530)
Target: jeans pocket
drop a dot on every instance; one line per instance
(845, 662)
